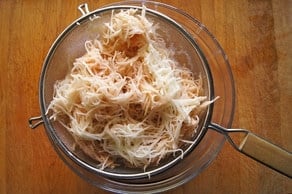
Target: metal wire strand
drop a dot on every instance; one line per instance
(226, 133)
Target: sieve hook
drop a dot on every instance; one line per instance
(34, 122)
(83, 8)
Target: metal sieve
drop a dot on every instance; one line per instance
(199, 58)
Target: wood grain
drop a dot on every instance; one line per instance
(257, 37)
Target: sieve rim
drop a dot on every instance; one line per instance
(60, 144)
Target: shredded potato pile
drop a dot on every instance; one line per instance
(126, 99)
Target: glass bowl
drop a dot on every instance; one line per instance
(203, 48)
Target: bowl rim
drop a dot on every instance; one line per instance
(84, 18)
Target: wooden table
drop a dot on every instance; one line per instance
(257, 37)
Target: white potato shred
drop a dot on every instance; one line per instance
(127, 99)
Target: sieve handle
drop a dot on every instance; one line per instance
(258, 149)
(267, 153)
